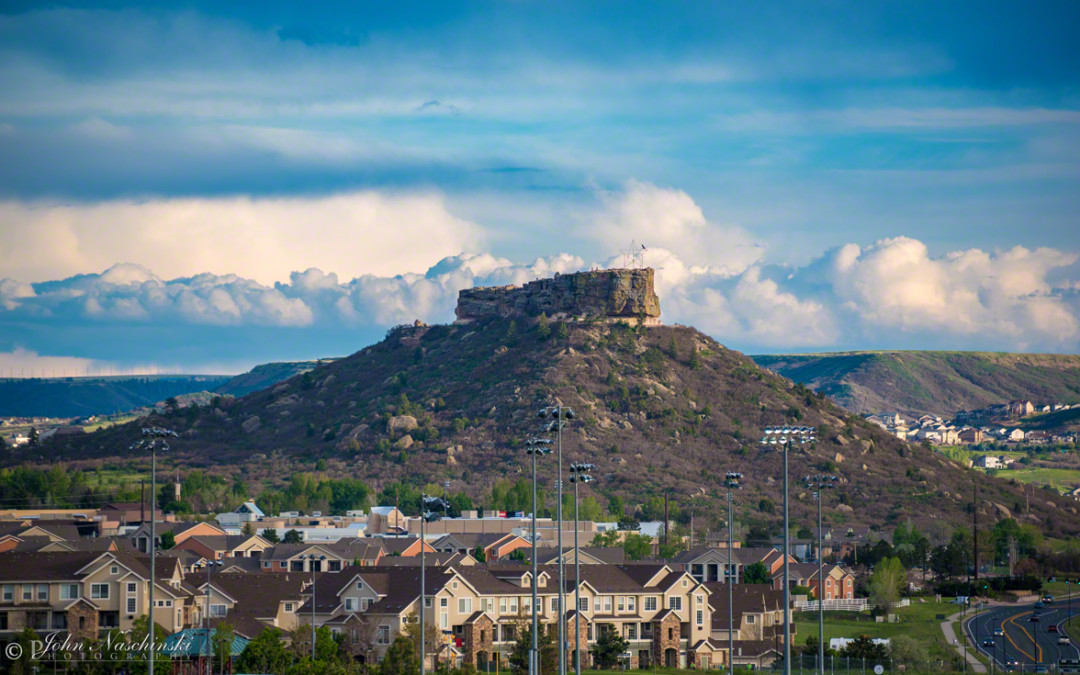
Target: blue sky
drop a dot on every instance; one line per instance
(808, 176)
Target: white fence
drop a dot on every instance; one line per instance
(854, 605)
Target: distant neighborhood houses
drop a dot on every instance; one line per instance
(974, 427)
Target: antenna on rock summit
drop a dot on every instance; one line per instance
(634, 256)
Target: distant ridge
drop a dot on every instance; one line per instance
(266, 375)
(85, 396)
(931, 382)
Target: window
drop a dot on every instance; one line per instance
(334, 565)
(650, 604)
(631, 631)
(288, 608)
(622, 604)
(131, 607)
(699, 599)
(3, 621)
(700, 617)
(749, 619)
(364, 604)
(607, 604)
(59, 621)
(583, 605)
(429, 603)
(43, 592)
(359, 587)
(266, 564)
(218, 610)
(631, 604)
(489, 606)
(597, 604)
(502, 605)
(99, 591)
(28, 592)
(444, 602)
(350, 604)
(382, 635)
(131, 589)
(444, 620)
(115, 569)
(513, 605)
(69, 591)
(9, 593)
(164, 603)
(675, 603)
(464, 605)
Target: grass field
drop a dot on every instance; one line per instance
(1059, 478)
(918, 621)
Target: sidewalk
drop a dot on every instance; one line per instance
(961, 649)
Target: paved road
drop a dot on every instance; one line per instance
(1025, 642)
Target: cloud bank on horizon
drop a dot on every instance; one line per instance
(222, 185)
(892, 293)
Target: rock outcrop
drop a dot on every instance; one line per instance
(600, 294)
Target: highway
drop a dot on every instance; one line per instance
(1015, 650)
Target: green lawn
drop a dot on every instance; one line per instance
(1059, 478)
(918, 621)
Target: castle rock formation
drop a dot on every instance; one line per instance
(601, 294)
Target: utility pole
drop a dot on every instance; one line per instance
(975, 527)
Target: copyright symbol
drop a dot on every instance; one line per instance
(13, 651)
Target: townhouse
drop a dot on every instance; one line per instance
(87, 592)
(328, 557)
(757, 629)
(663, 613)
(839, 583)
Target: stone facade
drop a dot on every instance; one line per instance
(572, 620)
(604, 294)
(478, 636)
(667, 634)
(82, 621)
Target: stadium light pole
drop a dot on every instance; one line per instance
(733, 482)
(209, 565)
(311, 558)
(559, 415)
(426, 514)
(579, 473)
(785, 437)
(152, 438)
(534, 447)
(817, 484)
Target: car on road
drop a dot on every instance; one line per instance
(987, 642)
(1012, 664)
(1062, 640)
(997, 632)
(1048, 599)
(1038, 605)
(1033, 617)
(1052, 628)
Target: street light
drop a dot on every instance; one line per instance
(427, 512)
(312, 558)
(559, 415)
(209, 565)
(579, 473)
(733, 481)
(152, 438)
(534, 447)
(785, 437)
(817, 484)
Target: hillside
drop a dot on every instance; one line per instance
(263, 376)
(663, 410)
(920, 382)
(84, 396)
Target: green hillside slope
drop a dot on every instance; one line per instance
(920, 382)
(662, 411)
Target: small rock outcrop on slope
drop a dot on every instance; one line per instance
(603, 294)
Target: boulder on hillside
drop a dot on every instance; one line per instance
(251, 424)
(404, 443)
(404, 423)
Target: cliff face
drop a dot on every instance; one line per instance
(615, 294)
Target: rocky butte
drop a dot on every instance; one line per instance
(617, 294)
